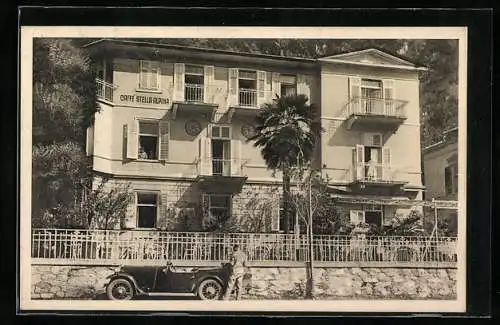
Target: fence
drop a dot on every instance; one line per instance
(136, 245)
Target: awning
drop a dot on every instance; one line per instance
(188, 108)
(395, 201)
(221, 184)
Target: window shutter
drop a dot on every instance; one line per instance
(389, 213)
(360, 159)
(179, 69)
(261, 88)
(386, 163)
(275, 85)
(354, 217)
(235, 157)
(303, 87)
(205, 154)
(162, 222)
(389, 108)
(144, 74)
(133, 140)
(164, 139)
(130, 219)
(354, 94)
(154, 79)
(89, 146)
(233, 87)
(208, 84)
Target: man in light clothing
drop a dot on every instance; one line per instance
(238, 263)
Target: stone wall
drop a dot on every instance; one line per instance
(87, 282)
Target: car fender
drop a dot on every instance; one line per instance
(122, 275)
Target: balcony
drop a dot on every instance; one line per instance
(138, 247)
(220, 175)
(193, 93)
(365, 113)
(369, 176)
(195, 100)
(247, 97)
(105, 90)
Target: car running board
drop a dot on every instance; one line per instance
(168, 294)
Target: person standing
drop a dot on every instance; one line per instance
(238, 263)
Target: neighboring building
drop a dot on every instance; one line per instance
(174, 123)
(441, 167)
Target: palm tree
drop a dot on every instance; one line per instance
(287, 130)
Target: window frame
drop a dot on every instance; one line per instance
(150, 66)
(229, 207)
(220, 127)
(139, 134)
(453, 168)
(137, 205)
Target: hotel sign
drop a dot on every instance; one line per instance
(141, 99)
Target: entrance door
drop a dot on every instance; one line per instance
(373, 217)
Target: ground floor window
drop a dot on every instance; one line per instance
(220, 207)
(147, 209)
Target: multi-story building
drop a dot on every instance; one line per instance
(441, 167)
(174, 123)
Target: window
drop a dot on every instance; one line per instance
(373, 214)
(147, 207)
(221, 132)
(148, 140)
(220, 207)
(451, 179)
(149, 75)
(291, 222)
(194, 83)
(288, 85)
(247, 85)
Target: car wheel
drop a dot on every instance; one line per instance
(120, 289)
(209, 289)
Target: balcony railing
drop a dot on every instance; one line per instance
(247, 97)
(105, 90)
(194, 93)
(220, 167)
(115, 246)
(377, 106)
(375, 172)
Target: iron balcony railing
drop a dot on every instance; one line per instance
(375, 172)
(105, 90)
(194, 93)
(247, 97)
(116, 246)
(377, 106)
(220, 167)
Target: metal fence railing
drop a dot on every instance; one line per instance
(194, 92)
(105, 90)
(248, 97)
(120, 245)
(377, 106)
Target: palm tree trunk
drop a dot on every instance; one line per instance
(286, 199)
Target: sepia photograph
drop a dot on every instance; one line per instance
(227, 168)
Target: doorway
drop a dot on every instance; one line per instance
(221, 157)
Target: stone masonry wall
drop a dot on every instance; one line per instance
(87, 282)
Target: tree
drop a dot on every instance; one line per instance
(64, 103)
(286, 132)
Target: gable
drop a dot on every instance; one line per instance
(369, 57)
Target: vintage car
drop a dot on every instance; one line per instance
(207, 283)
